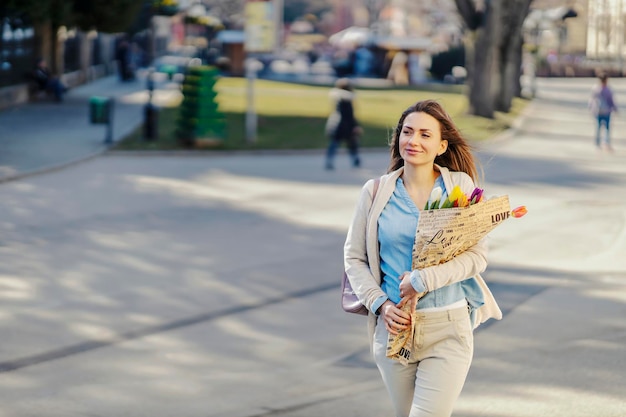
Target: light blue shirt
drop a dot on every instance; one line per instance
(396, 234)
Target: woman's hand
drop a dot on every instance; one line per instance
(406, 289)
(395, 319)
(408, 293)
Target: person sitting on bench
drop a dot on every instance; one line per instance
(47, 82)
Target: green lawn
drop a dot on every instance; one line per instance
(292, 116)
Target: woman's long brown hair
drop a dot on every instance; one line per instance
(458, 156)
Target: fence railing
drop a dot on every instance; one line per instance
(18, 54)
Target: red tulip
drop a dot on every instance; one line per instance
(519, 211)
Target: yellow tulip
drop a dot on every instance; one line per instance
(456, 193)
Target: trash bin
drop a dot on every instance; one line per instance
(150, 124)
(101, 112)
(100, 109)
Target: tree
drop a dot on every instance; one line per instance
(494, 52)
(105, 15)
(373, 8)
(510, 53)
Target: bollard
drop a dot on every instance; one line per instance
(151, 112)
(101, 112)
(151, 118)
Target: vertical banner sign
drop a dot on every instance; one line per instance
(260, 26)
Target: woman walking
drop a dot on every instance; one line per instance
(451, 299)
(342, 124)
(602, 104)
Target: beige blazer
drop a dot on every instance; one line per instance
(362, 258)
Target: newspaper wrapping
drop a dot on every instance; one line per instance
(441, 235)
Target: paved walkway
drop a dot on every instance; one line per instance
(213, 288)
(44, 135)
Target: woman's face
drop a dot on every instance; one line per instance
(420, 139)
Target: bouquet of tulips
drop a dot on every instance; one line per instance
(443, 234)
(456, 198)
(445, 229)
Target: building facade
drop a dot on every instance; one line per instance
(606, 31)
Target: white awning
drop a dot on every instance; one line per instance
(352, 36)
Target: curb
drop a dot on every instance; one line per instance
(516, 126)
(238, 152)
(174, 153)
(50, 168)
(503, 136)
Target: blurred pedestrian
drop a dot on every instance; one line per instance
(343, 62)
(46, 81)
(427, 152)
(398, 71)
(602, 104)
(363, 61)
(123, 58)
(135, 59)
(342, 125)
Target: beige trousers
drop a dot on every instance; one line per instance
(441, 356)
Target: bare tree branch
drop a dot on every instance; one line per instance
(469, 13)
